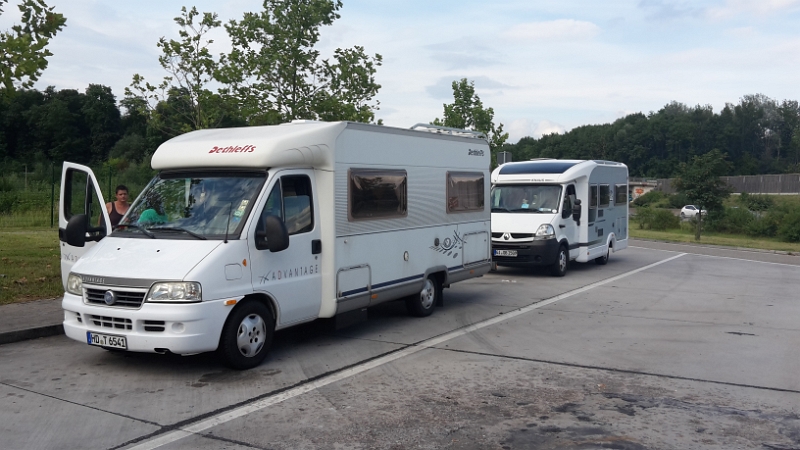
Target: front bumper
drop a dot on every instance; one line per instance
(531, 253)
(153, 328)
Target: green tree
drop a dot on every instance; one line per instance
(276, 75)
(467, 113)
(701, 183)
(102, 118)
(23, 49)
(182, 102)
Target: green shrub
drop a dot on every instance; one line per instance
(663, 220)
(678, 200)
(789, 228)
(756, 202)
(656, 219)
(730, 220)
(649, 199)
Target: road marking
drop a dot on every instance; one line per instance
(219, 419)
(722, 257)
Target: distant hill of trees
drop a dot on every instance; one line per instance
(759, 135)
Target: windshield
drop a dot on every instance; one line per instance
(208, 205)
(526, 198)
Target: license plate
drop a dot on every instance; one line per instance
(106, 340)
(512, 253)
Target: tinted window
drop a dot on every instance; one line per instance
(605, 196)
(464, 191)
(621, 192)
(377, 194)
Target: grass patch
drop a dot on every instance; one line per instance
(30, 265)
(729, 240)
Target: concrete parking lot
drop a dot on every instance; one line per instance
(667, 346)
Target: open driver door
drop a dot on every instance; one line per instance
(82, 216)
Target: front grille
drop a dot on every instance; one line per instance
(111, 322)
(156, 326)
(513, 235)
(125, 299)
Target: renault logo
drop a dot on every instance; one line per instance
(506, 236)
(110, 298)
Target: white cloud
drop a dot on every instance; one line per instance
(562, 29)
(521, 128)
(733, 8)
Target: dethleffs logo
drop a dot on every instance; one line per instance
(233, 149)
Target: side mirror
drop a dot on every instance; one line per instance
(76, 230)
(576, 211)
(275, 233)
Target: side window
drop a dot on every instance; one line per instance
(297, 212)
(377, 194)
(81, 198)
(593, 203)
(605, 196)
(621, 192)
(290, 200)
(464, 192)
(569, 200)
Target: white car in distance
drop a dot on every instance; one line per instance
(689, 211)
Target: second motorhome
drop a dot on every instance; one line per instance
(548, 212)
(249, 230)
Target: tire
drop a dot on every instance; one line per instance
(422, 304)
(559, 268)
(603, 260)
(683, 216)
(246, 336)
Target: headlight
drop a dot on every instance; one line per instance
(75, 284)
(545, 231)
(175, 291)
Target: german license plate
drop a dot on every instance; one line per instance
(512, 253)
(106, 340)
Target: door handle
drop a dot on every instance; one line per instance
(316, 247)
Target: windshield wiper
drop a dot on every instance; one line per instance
(143, 230)
(183, 230)
(527, 210)
(499, 208)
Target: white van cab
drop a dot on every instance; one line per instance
(547, 212)
(245, 231)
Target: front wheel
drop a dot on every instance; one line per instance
(247, 336)
(559, 268)
(422, 304)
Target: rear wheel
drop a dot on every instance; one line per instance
(247, 336)
(603, 260)
(559, 268)
(422, 304)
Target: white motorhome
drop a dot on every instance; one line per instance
(249, 230)
(547, 212)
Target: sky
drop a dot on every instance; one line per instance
(543, 66)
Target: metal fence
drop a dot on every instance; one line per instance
(782, 184)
